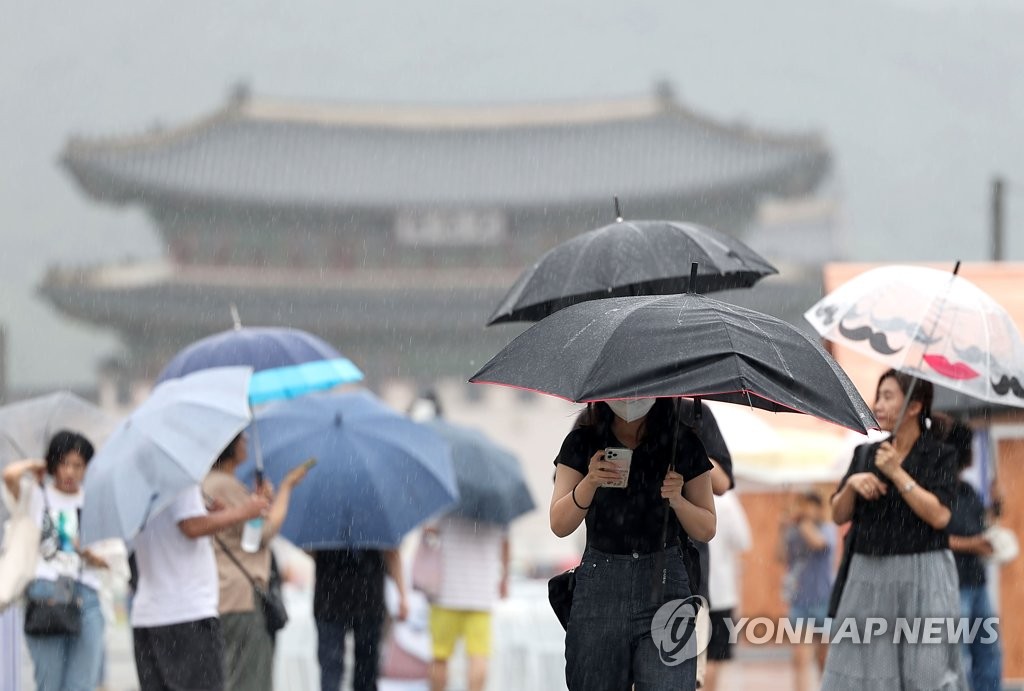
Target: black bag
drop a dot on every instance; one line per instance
(60, 615)
(275, 616)
(269, 600)
(860, 465)
(560, 595)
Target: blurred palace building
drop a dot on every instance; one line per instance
(392, 231)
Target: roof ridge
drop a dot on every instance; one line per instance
(425, 117)
(450, 116)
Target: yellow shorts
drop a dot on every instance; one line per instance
(449, 625)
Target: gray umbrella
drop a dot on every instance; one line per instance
(26, 426)
(492, 488)
(631, 258)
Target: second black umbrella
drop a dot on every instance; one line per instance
(631, 258)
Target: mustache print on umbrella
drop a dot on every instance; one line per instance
(1007, 384)
(909, 328)
(827, 314)
(876, 339)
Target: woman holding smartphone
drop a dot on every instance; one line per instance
(608, 640)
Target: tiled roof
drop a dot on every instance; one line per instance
(167, 298)
(256, 152)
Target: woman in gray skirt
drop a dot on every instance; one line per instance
(902, 574)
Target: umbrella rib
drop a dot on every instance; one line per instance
(770, 340)
(625, 314)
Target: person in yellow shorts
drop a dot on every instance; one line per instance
(447, 626)
(474, 563)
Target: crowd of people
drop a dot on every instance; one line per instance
(664, 527)
(196, 604)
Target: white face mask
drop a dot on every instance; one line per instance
(632, 410)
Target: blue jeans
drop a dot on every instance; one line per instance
(69, 663)
(983, 661)
(609, 644)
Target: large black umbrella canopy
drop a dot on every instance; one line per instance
(678, 345)
(631, 258)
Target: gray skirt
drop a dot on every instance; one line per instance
(901, 594)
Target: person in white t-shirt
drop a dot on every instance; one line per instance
(177, 635)
(62, 662)
(731, 540)
(474, 575)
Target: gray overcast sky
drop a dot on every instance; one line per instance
(921, 101)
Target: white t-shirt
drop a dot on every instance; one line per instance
(731, 539)
(64, 511)
(177, 575)
(471, 567)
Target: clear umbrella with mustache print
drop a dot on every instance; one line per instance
(929, 323)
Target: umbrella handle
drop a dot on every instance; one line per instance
(660, 572)
(259, 455)
(913, 379)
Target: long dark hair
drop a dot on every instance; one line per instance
(63, 443)
(923, 393)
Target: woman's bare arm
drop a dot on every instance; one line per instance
(694, 506)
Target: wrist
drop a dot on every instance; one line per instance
(581, 503)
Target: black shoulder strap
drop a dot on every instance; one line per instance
(861, 459)
(234, 560)
(230, 555)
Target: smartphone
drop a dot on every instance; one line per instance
(309, 463)
(622, 458)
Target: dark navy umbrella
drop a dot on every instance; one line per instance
(378, 476)
(679, 345)
(631, 258)
(492, 488)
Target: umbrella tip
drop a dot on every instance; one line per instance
(692, 287)
(956, 269)
(236, 320)
(618, 210)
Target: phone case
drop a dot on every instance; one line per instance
(622, 458)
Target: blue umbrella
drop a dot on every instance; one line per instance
(379, 474)
(288, 362)
(492, 488)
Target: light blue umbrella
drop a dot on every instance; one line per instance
(492, 488)
(378, 475)
(298, 380)
(165, 446)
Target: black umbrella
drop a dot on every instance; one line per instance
(627, 259)
(678, 345)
